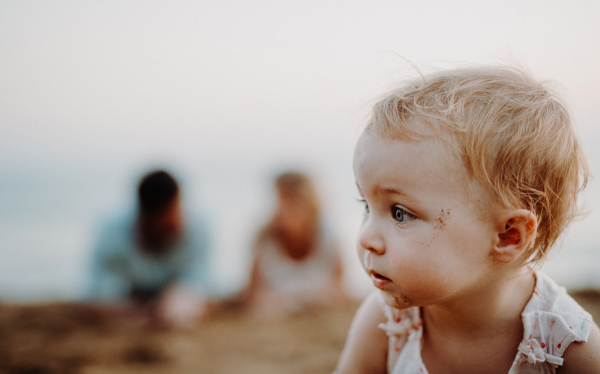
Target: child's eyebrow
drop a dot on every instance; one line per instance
(381, 190)
(384, 190)
(388, 190)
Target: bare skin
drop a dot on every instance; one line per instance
(488, 333)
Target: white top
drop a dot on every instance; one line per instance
(551, 321)
(298, 282)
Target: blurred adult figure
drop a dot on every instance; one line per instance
(297, 264)
(153, 262)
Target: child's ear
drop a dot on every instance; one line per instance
(515, 236)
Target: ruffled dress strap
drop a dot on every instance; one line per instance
(405, 330)
(551, 321)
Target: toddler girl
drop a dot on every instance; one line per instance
(468, 179)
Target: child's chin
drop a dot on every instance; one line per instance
(398, 301)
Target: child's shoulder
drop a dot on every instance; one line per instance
(366, 345)
(583, 358)
(553, 322)
(551, 304)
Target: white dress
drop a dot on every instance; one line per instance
(551, 321)
(299, 284)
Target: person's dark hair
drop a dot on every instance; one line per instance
(156, 191)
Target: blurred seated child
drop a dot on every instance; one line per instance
(297, 264)
(153, 263)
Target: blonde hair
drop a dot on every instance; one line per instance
(298, 188)
(513, 135)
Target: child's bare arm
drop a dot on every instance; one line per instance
(583, 358)
(366, 345)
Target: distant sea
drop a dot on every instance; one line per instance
(49, 217)
(50, 214)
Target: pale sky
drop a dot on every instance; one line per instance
(179, 76)
(103, 85)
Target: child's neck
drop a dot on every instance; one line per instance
(497, 303)
(486, 327)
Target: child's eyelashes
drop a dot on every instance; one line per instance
(364, 202)
(401, 215)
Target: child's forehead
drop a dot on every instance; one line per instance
(431, 151)
(391, 159)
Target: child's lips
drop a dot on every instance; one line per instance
(379, 280)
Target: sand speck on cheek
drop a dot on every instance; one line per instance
(441, 220)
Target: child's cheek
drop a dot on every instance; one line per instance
(422, 279)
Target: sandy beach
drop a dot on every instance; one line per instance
(71, 338)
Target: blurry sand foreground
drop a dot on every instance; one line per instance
(70, 338)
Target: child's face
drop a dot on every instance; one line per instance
(423, 240)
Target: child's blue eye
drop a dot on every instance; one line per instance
(400, 214)
(366, 205)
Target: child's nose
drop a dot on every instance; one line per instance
(370, 239)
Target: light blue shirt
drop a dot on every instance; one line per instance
(118, 264)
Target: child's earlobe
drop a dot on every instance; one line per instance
(520, 227)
